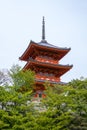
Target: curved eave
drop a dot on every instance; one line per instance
(44, 64)
(61, 68)
(25, 55)
(40, 81)
(39, 46)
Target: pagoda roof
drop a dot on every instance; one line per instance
(61, 68)
(40, 81)
(43, 45)
(50, 65)
(46, 44)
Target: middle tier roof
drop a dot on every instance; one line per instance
(36, 65)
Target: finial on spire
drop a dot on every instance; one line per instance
(43, 29)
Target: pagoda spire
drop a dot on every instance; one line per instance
(43, 30)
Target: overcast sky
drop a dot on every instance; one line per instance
(66, 26)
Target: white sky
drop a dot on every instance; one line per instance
(66, 26)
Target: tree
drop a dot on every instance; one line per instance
(21, 80)
(65, 106)
(15, 100)
(4, 78)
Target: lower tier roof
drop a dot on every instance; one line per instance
(40, 81)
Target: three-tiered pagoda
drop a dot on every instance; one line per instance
(43, 58)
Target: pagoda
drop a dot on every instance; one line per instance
(43, 58)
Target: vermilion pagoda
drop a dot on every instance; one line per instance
(43, 58)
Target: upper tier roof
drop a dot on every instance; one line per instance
(43, 45)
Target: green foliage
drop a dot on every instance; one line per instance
(22, 80)
(64, 108)
(69, 105)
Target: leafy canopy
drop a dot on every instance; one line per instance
(65, 107)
